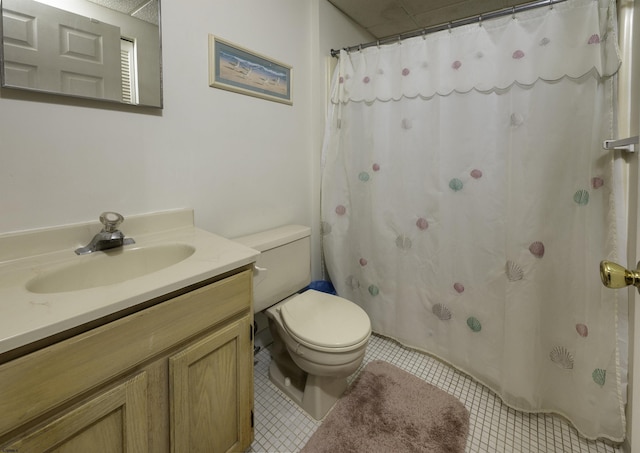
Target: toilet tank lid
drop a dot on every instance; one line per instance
(266, 240)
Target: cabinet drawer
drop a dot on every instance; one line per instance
(38, 382)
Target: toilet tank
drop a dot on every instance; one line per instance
(284, 265)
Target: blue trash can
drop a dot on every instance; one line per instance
(323, 286)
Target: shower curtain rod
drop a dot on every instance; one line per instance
(449, 25)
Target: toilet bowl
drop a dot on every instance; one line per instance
(319, 339)
(325, 337)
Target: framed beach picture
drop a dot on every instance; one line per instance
(234, 68)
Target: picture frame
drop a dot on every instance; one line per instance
(234, 68)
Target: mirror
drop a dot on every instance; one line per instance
(97, 49)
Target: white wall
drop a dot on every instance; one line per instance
(243, 163)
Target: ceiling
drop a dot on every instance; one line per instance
(146, 10)
(384, 18)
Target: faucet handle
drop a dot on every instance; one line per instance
(111, 221)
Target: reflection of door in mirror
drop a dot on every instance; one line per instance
(46, 48)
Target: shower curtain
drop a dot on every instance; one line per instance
(467, 201)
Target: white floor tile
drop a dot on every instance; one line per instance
(282, 427)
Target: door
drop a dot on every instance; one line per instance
(46, 48)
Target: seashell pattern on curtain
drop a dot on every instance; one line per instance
(467, 202)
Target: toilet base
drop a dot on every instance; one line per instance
(319, 394)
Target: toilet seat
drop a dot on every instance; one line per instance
(325, 322)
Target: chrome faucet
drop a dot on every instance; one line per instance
(110, 237)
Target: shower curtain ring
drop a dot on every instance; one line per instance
(424, 33)
(513, 12)
(480, 20)
(378, 43)
(449, 25)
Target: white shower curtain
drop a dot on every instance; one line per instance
(467, 202)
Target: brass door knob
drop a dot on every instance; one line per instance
(614, 275)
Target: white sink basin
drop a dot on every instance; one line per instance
(109, 267)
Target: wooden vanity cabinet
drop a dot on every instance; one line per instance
(174, 377)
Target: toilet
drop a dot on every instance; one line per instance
(318, 339)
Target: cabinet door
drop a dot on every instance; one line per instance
(211, 388)
(111, 422)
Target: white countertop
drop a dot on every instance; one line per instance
(26, 317)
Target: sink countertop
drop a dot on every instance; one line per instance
(26, 317)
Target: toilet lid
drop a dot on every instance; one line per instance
(324, 320)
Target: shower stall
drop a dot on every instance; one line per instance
(467, 201)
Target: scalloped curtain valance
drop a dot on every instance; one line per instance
(570, 39)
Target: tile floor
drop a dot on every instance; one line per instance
(281, 427)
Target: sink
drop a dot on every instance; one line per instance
(109, 267)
